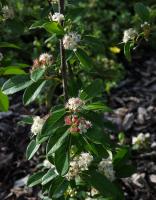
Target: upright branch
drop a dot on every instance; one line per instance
(62, 54)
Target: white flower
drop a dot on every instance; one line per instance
(37, 125)
(1, 56)
(8, 13)
(47, 164)
(140, 140)
(57, 17)
(74, 104)
(79, 163)
(105, 167)
(84, 125)
(46, 59)
(84, 161)
(73, 170)
(129, 34)
(71, 40)
(145, 25)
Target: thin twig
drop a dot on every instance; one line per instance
(63, 57)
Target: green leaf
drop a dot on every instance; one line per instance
(35, 179)
(127, 51)
(92, 90)
(97, 106)
(50, 175)
(37, 74)
(8, 45)
(26, 120)
(4, 102)
(58, 187)
(84, 59)
(32, 92)
(16, 84)
(62, 158)
(142, 11)
(37, 24)
(54, 27)
(11, 70)
(56, 140)
(103, 185)
(32, 149)
(51, 121)
(98, 136)
(124, 171)
(122, 155)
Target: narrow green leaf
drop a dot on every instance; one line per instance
(62, 158)
(32, 149)
(54, 27)
(37, 24)
(127, 51)
(92, 90)
(32, 92)
(35, 179)
(58, 187)
(11, 70)
(56, 140)
(16, 84)
(8, 45)
(4, 102)
(50, 175)
(37, 74)
(142, 11)
(97, 106)
(103, 185)
(84, 59)
(51, 121)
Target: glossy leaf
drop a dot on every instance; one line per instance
(98, 106)
(103, 185)
(84, 59)
(56, 140)
(142, 11)
(32, 149)
(16, 84)
(92, 90)
(32, 92)
(50, 175)
(8, 45)
(127, 51)
(35, 179)
(37, 74)
(62, 158)
(54, 27)
(4, 102)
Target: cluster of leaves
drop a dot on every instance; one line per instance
(61, 145)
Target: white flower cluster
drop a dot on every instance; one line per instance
(47, 164)
(8, 12)
(84, 126)
(129, 34)
(78, 164)
(71, 40)
(37, 125)
(105, 167)
(1, 56)
(74, 104)
(140, 140)
(58, 17)
(145, 25)
(46, 59)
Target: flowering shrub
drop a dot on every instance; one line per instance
(80, 160)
